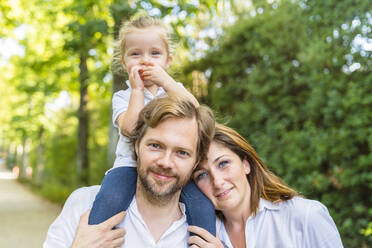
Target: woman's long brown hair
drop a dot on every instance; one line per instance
(262, 181)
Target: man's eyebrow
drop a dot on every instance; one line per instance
(189, 150)
(149, 140)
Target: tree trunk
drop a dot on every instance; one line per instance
(83, 130)
(21, 152)
(118, 79)
(40, 162)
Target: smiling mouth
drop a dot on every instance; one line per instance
(162, 176)
(223, 194)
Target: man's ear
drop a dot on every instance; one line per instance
(247, 166)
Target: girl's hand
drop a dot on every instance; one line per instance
(156, 74)
(204, 240)
(135, 79)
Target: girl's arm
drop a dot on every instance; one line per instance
(159, 76)
(127, 120)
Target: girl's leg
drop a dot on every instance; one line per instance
(116, 193)
(199, 209)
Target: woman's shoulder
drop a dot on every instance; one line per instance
(313, 218)
(300, 202)
(305, 210)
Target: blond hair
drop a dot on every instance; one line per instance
(262, 181)
(138, 22)
(175, 106)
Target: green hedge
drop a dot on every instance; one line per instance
(282, 79)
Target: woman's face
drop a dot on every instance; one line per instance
(222, 178)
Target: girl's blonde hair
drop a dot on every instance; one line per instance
(137, 23)
(262, 181)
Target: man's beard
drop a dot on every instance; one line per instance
(156, 189)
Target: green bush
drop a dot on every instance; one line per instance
(283, 80)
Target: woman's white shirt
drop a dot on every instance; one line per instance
(297, 223)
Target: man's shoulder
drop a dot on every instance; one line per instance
(84, 194)
(87, 190)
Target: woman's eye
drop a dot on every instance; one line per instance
(223, 163)
(200, 176)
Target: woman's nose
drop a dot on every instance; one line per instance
(217, 180)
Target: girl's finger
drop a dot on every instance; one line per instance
(146, 73)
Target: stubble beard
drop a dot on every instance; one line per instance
(156, 191)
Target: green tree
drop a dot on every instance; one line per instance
(292, 78)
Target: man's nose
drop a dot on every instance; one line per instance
(165, 160)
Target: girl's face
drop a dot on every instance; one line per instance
(222, 178)
(144, 46)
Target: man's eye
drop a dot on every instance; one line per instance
(153, 145)
(183, 153)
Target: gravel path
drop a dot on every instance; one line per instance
(24, 216)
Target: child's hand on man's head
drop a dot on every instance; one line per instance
(135, 77)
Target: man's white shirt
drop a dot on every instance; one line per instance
(62, 232)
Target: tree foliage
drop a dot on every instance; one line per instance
(293, 77)
(293, 81)
(56, 97)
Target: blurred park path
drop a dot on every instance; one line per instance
(24, 216)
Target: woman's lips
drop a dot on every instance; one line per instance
(223, 194)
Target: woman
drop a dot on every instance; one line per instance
(255, 207)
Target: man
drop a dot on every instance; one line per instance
(170, 138)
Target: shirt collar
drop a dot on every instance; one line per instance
(136, 211)
(265, 204)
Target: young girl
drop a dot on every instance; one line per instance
(144, 46)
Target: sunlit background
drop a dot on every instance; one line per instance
(292, 76)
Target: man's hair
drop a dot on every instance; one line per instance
(175, 106)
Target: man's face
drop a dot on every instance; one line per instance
(166, 156)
